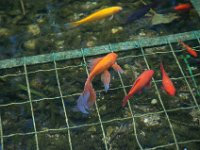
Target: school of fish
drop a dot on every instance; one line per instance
(102, 65)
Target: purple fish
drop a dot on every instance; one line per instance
(139, 13)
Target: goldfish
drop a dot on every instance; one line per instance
(142, 81)
(97, 66)
(98, 15)
(168, 85)
(190, 50)
(180, 7)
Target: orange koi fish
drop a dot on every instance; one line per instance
(142, 81)
(190, 50)
(98, 15)
(168, 85)
(97, 66)
(181, 7)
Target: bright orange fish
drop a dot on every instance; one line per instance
(142, 81)
(190, 50)
(181, 7)
(168, 85)
(97, 66)
(98, 15)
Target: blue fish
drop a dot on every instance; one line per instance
(140, 12)
(137, 14)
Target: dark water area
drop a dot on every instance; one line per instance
(37, 27)
(37, 101)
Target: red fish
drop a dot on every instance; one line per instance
(190, 50)
(97, 66)
(181, 7)
(168, 85)
(142, 81)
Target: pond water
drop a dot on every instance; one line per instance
(37, 101)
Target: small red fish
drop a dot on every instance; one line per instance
(168, 85)
(181, 7)
(142, 81)
(190, 50)
(97, 66)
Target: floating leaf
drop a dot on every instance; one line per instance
(163, 18)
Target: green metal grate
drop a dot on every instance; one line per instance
(123, 46)
(128, 46)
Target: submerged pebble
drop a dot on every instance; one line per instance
(183, 96)
(154, 101)
(4, 32)
(89, 5)
(151, 120)
(60, 44)
(33, 29)
(92, 129)
(116, 30)
(109, 130)
(30, 44)
(90, 43)
(196, 116)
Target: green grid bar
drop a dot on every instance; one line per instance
(122, 46)
(1, 134)
(161, 102)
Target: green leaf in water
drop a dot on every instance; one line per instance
(163, 18)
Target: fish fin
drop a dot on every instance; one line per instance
(94, 62)
(117, 68)
(125, 100)
(105, 78)
(148, 85)
(139, 92)
(162, 69)
(82, 102)
(111, 17)
(87, 98)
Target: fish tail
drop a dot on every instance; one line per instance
(70, 25)
(87, 98)
(161, 67)
(125, 100)
(181, 42)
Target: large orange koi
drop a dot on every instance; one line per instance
(97, 66)
(142, 81)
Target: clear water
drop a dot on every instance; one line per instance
(53, 98)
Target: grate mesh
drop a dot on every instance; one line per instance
(127, 120)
